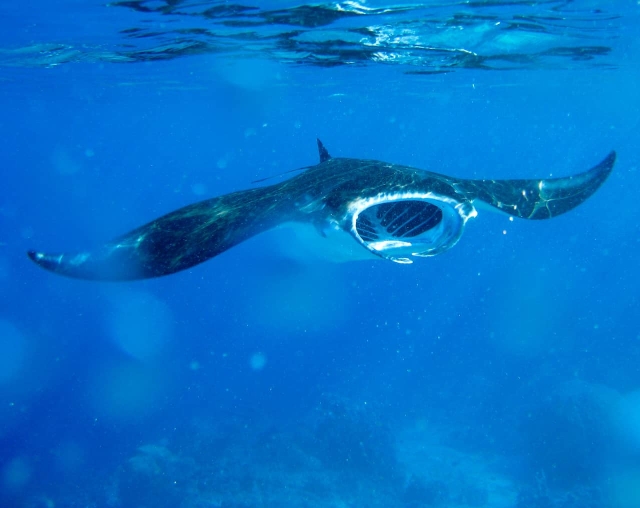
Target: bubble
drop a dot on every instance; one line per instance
(12, 351)
(250, 74)
(27, 233)
(199, 189)
(69, 456)
(285, 305)
(627, 421)
(125, 391)
(258, 361)
(141, 324)
(16, 474)
(624, 488)
(4, 267)
(63, 163)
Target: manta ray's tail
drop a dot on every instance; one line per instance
(539, 199)
(177, 241)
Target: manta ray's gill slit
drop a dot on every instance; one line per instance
(397, 210)
(408, 218)
(367, 229)
(427, 217)
(398, 228)
(423, 223)
(385, 210)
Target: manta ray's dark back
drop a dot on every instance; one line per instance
(394, 212)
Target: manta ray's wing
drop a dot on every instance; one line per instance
(428, 217)
(176, 241)
(538, 199)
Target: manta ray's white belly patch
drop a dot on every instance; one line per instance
(305, 243)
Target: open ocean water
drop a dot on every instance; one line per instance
(503, 373)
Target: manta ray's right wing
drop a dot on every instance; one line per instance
(538, 199)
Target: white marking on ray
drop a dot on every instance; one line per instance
(387, 244)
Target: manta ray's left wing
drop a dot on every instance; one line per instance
(538, 199)
(176, 241)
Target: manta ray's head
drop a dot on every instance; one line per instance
(401, 225)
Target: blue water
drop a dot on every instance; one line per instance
(501, 373)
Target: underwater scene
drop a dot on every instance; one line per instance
(334, 254)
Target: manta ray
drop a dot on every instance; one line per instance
(388, 211)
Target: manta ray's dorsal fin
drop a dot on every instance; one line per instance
(322, 152)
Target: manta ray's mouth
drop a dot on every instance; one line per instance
(400, 219)
(396, 226)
